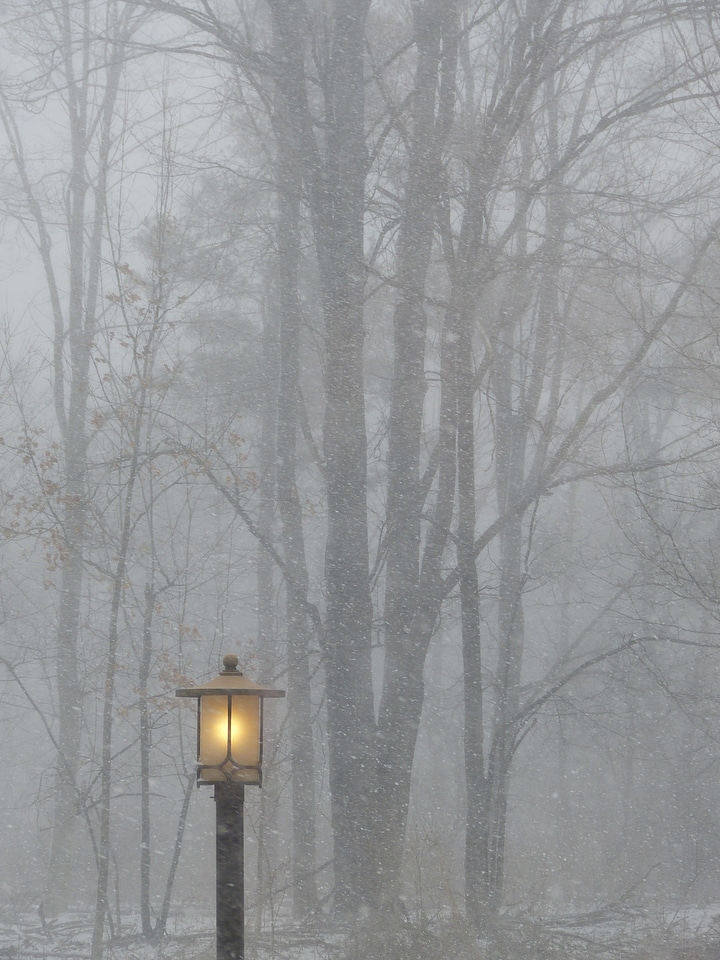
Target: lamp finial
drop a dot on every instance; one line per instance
(230, 662)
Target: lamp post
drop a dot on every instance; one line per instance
(229, 750)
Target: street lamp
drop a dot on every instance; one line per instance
(229, 750)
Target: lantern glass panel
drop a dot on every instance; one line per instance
(229, 736)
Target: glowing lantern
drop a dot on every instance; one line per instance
(230, 726)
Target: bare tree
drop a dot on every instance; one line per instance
(85, 80)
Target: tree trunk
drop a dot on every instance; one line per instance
(143, 361)
(473, 728)
(334, 173)
(145, 748)
(111, 663)
(406, 637)
(84, 234)
(338, 213)
(162, 921)
(266, 590)
(293, 540)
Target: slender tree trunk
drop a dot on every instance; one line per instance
(145, 748)
(266, 588)
(473, 729)
(522, 369)
(66, 822)
(104, 805)
(289, 188)
(162, 921)
(143, 365)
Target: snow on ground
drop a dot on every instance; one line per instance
(612, 934)
(69, 937)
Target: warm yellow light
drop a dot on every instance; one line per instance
(230, 725)
(229, 736)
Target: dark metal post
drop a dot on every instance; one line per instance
(230, 873)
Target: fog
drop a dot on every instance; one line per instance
(377, 344)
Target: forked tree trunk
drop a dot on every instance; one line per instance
(338, 202)
(408, 634)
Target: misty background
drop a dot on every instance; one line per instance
(376, 343)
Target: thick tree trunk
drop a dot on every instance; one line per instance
(334, 175)
(339, 207)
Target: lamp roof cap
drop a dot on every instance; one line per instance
(230, 682)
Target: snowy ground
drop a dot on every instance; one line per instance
(69, 938)
(619, 934)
